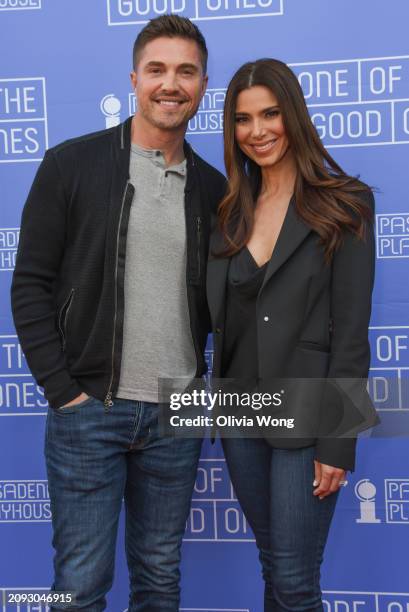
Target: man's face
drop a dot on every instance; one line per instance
(169, 82)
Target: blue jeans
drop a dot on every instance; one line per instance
(95, 458)
(274, 488)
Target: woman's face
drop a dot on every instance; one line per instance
(259, 128)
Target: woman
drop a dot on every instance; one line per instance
(289, 289)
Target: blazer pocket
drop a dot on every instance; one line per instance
(309, 360)
(313, 346)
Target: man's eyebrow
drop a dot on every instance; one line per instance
(188, 65)
(153, 63)
(157, 64)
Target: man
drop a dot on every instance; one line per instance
(109, 296)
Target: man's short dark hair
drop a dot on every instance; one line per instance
(171, 26)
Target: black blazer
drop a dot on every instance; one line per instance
(312, 318)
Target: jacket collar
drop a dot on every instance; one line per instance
(122, 147)
(292, 234)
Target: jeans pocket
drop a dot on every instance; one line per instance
(74, 407)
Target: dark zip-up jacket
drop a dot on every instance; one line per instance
(68, 283)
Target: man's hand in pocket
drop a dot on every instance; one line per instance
(77, 400)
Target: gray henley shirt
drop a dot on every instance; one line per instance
(157, 341)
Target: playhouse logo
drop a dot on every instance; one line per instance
(134, 12)
(8, 248)
(365, 491)
(111, 107)
(397, 500)
(209, 117)
(24, 501)
(23, 120)
(392, 235)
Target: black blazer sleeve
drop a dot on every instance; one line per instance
(353, 269)
(40, 251)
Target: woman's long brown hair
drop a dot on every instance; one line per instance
(326, 199)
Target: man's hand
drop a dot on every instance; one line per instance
(328, 479)
(77, 400)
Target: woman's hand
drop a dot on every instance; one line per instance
(328, 479)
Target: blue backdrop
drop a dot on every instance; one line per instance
(64, 72)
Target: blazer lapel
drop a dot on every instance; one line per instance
(292, 233)
(217, 268)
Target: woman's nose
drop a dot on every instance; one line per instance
(258, 130)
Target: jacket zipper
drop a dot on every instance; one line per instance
(63, 322)
(199, 232)
(108, 398)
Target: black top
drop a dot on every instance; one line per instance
(245, 278)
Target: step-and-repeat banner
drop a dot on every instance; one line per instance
(64, 72)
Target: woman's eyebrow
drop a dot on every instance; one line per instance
(264, 110)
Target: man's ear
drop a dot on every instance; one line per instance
(204, 84)
(133, 79)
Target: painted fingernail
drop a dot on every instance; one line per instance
(321, 497)
(315, 483)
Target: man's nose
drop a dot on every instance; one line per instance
(169, 82)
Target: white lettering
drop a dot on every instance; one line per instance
(16, 141)
(388, 348)
(9, 239)
(232, 520)
(339, 82)
(377, 80)
(406, 121)
(206, 122)
(143, 8)
(394, 606)
(213, 478)
(197, 520)
(324, 83)
(380, 389)
(20, 395)
(17, 100)
(8, 260)
(384, 348)
(19, 4)
(382, 81)
(217, 5)
(353, 124)
(14, 355)
(399, 347)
